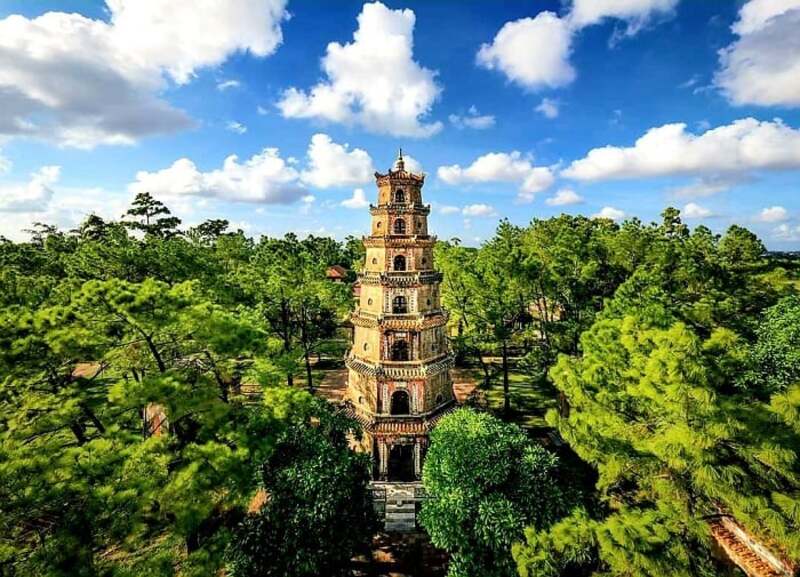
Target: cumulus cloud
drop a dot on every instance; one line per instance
(501, 167)
(708, 185)
(373, 81)
(32, 196)
(609, 212)
(773, 214)
(479, 210)
(66, 209)
(548, 108)
(332, 164)
(265, 177)
(693, 210)
(532, 52)
(81, 82)
(412, 164)
(744, 145)
(472, 119)
(449, 209)
(786, 232)
(358, 200)
(564, 197)
(636, 13)
(762, 66)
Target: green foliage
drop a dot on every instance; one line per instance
(775, 356)
(98, 324)
(652, 409)
(316, 493)
(485, 482)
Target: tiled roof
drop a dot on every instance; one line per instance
(399, 425)
(749, 555)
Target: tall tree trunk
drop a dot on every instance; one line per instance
(308, 372)
(306, 350)
(287, 338)
(506, 395)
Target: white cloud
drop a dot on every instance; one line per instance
(479, 210)
(610, 212)
(501, 167)
(756, 14)
(693, 210)
(762, 66)
(548, 107)
(332, 164)
(636, 13)
(81, 82)
(66, 209)
(564, 197)
(373, 81)
(744, 145)
(5, 164)
(449, 209)
(532, 52)
(237, 127)
(472, 119)
(265, 177)
(224, 85)
(773, 214)
(708, 185)
(412, 164)
(32, 196)
(358, 200)
(786, 232)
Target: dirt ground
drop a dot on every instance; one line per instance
(401, 555)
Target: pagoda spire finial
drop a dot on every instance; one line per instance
(400, 164)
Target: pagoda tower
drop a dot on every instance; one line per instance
(399, 367)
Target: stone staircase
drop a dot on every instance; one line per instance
(397, 504)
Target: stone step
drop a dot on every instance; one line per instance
(399, 516)
(400, 506)
(403, 526)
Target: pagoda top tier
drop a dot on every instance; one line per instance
(399, 173)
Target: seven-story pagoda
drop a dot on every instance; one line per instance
(399, 381)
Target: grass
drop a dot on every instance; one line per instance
(530, 397)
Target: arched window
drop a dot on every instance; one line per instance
(400, 404)
(399, 305)
(399, 262)
(400, 196)
(400, 350)
(399, 226)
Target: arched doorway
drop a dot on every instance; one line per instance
(400, 350)
(399, 226)
(401, 463)
(399, 262)
(400, 196)
(401, 404)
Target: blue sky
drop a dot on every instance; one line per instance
(519, 109)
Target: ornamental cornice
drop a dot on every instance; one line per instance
(400, 279)
(389, 241)
(416, 209)
(399, 176)
(397, 370)
(399, 322)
